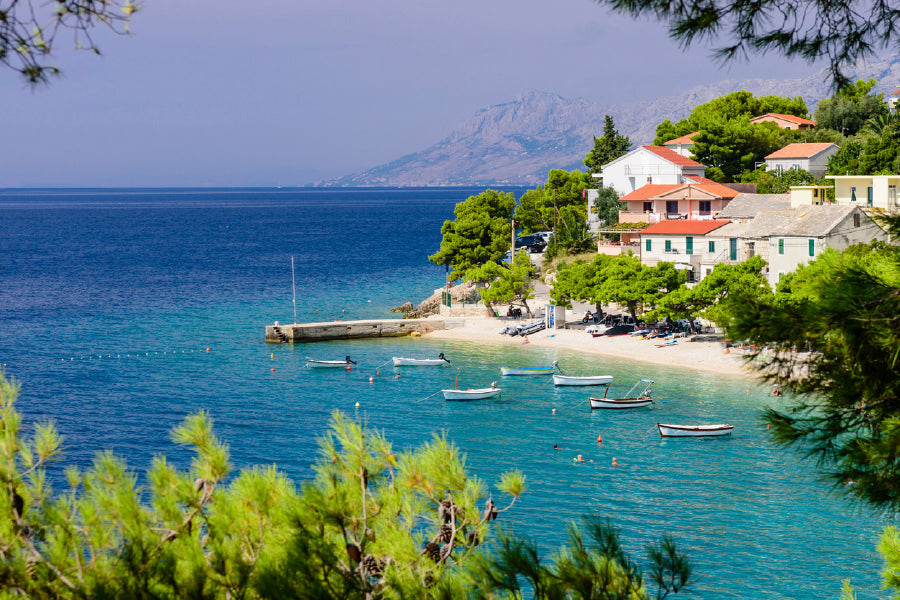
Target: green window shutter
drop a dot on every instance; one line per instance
(648, 245)
(869, 196)
(690, 245)
(668, 245)
(812, 247)
(781, 246)
(712, 247)
(732, 251)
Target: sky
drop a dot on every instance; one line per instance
(287, 92)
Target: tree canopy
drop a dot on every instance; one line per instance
(480, 233)
(848, 110)
(506, 283)
(608, 147)
(29, 30)
(841, 33)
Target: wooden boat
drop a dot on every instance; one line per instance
(312, 363)
(421, 362)
(582, 380)
(471, 394)
(670, 430)
(632, 398)
(548, 370)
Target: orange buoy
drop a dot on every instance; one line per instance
(273, 369)
(207, 349)
(599, 438)
(348, 367)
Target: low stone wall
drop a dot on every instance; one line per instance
(348, 330)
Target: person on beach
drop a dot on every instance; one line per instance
(776, 391)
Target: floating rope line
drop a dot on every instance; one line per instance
(427, 397)
(126, 355)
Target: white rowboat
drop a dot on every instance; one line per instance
(582, 380)
(548, 370)
(670, 430)
(632, 398)
(312, 363)
(421, 362)
(476, 394)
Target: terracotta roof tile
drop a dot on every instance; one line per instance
(672, 156)
(801, 150)
(684, 227)
(685, 139)
(791, 118)
(651, 190)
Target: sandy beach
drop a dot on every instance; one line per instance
(705, 356)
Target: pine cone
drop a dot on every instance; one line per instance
(433, 551)
(373, 566)
(446, 534)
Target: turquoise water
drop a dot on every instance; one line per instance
(110, 302)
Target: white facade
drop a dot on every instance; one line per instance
(648, 164)
(816, 164)
(873, 191)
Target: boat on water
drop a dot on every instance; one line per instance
(581, 379)
(421, 362)
(312, 363)
(471, 394)
(671, 430)
(636, 397)
(547, 370)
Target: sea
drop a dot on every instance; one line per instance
(124, 310)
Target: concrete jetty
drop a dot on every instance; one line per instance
(349, 330)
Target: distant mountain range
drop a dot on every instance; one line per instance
(518, 142)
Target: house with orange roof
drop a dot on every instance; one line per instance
(692, 245)
(649, 164)
(785, 121)
(892, 100)
(812, 158)
(682, 145)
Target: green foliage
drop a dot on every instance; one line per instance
(734, 146)
(28, 30)
(506, 283)
(846, 414)
(374, 523)
(481, 232)
(607, 148)
(590, 566)
(540, 209)
(780, 182)
(848, 110)
(840, 33)
(607, 205)
(580, 281)
(846, 160)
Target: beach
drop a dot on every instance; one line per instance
(705, 356)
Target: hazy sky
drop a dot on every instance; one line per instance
(283, 92)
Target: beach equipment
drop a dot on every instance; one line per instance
(582, 379)
(636, 397)
(421, 362)
(546, 370)
(671, 430)
(312, 363)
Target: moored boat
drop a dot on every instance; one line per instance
(471, 394)
(547, 370)
(632, 398)
(582, 379)
(312, 363)
(671, 430)
(400, 361)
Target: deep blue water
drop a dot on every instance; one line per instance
(109, 300)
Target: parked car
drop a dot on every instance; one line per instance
(533, 243)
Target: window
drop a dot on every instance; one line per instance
(631, 183)
(689, 242)
(781, 246)
(648, 245)
(712, 247)
(812, 247)
(856, 220)
(648, 207)
(853, 194)
(671, 206)
(816, 193)
(705, 207)
(732, 249)
(668, 245)
(751, 249)
(869, 196)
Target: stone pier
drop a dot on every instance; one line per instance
(349, 330)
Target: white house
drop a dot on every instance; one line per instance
(683, 145)
(649, 164)
(812, 158)
(873, 191)
(688, 244)
(807, 231)
(784, 121)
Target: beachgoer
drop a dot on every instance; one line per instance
(556, 446)
(578, 458)
(776, 391)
